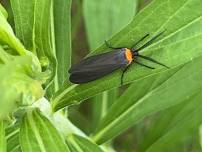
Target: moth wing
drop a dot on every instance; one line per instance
(97, 66)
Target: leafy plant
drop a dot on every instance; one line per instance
(159, 110)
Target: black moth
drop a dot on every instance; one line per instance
(97, 66)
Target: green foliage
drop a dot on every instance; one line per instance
(111, 17)
(62, 29)
(34, 27)
(38, 134)
(159, 110)
(3, 11)
(159, 88)
(12, 136)
(181, 127)
(179, 45)
(24, 20)
(20, 72)
(115, 18)
(78, 143)
(2, 137)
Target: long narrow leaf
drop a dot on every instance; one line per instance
(3, 11)
(62, 25)
(43, 41)
(12, 137)
(24, 21)
(105, 18)
(33, 26)
(125, 113)
(102, 20)
(78, 143)
(3, 143)
(179, 44)
(182, 128)
(38, 134)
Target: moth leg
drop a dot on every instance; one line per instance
(124, 70)
(134, 45)
(127, 67)
(144, 65)
(150, 41)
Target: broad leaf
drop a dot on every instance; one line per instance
(62, 25)
(33, 22)
(81, 144)
(3, 11)
(183, 127)
(200, 134)
(38, 134)
(19, 71)
(12, 136)
(179, 44)
(43, 42)
(7, 37)
(105, 18)
(132, 107)
(102, 20)
(3, 143)
(23, 12)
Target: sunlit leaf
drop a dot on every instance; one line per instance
(3, 143)
(62, 20)
(78, 143)
(38, 134)
(133, 107)
(180, 44)
(102, 20)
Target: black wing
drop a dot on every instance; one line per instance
(97, 66)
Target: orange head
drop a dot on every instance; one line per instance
(128, 55)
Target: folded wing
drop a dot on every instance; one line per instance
(97, 66)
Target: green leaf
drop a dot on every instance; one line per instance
(102, 20)
(38, 134)
(20, 82)
(42, 30)
(105, 18)
(159, 125)
(33, 23)
(179, 44)
(101, 104)
(7, 37)
(62, 24)
(182, 128)
(23, 12)
(59, 119)
(3, 11)
(173, 118)
(131, 107)
(200, 135)
(12, 136)
(20, 72)
(44, 41)
(81, 144)
(3, 143)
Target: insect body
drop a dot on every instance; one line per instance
(97, 66)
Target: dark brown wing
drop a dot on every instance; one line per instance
(97, 66)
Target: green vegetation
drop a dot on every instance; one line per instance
(157, 110)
